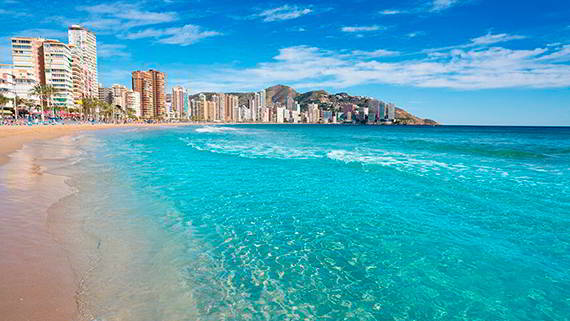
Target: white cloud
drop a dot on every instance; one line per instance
(285, 12)
(388, 12)
(375, 53)
(121, 16)
(439, 5)
(105, 50)
(560, 54)
(361, 28)
(494, 38)
(482, 41)
(428, 6)
(463, 69)
(183, 36)
(415, 34)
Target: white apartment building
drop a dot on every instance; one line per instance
(313, 113)
(281, 114)
(7, 84)
(27, 62)
(134, 102)
(178, 100)
(85, 46)
(58, 72)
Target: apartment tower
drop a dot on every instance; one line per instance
(178, 95)
(150, 84)
(28, 69)
(84, 47)
(57, 62)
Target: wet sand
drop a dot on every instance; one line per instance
(36, 281)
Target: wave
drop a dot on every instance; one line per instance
(399, 161)
(254, 150)
(215, 129)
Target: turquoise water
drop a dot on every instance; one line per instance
(267, 222)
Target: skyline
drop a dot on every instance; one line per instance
(505, 64)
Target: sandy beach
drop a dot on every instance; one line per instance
(37, 281)
(13, 138)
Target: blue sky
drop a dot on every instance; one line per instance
(455, 61)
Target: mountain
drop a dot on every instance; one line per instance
(332, 102)
(406, 118)
(280, 93)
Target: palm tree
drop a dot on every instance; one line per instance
(131, 113)
(3, 101)
(44, 92)
(106, 109)
(89, 105)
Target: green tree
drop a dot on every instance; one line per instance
(44, 92)
(131, 113)
(3, 101)
(106, 110)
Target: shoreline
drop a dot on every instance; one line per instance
(37, 281)
(13, 138)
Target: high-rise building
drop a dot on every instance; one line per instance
(209, 110)
(78, 75)
(220, 100)
(313, 113)
(168, 105)
(290, 103)
(105, 94)
(387, 112)
(374, 110)
(348, 110)
(142, 83)
(150, 84)
(230, 108)
(28, 69)
(198, 108)
(84, 47)
(280, 114)
(119, 93)
(178, 101)
(58, 72)
(158, 85)
(262, 99)
(134, 102)
(256, 107)
(7, 84)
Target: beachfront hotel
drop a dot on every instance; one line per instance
(58, 72)
(27, 65)
(178, 101)
(150, 84)
(84, 48)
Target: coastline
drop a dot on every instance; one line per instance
(40, 278)
(13, 138)
(37, 279)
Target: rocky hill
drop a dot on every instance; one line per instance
(280, 93)
(406, 118)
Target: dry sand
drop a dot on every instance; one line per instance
(36, 278)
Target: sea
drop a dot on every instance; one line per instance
(318, 222)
